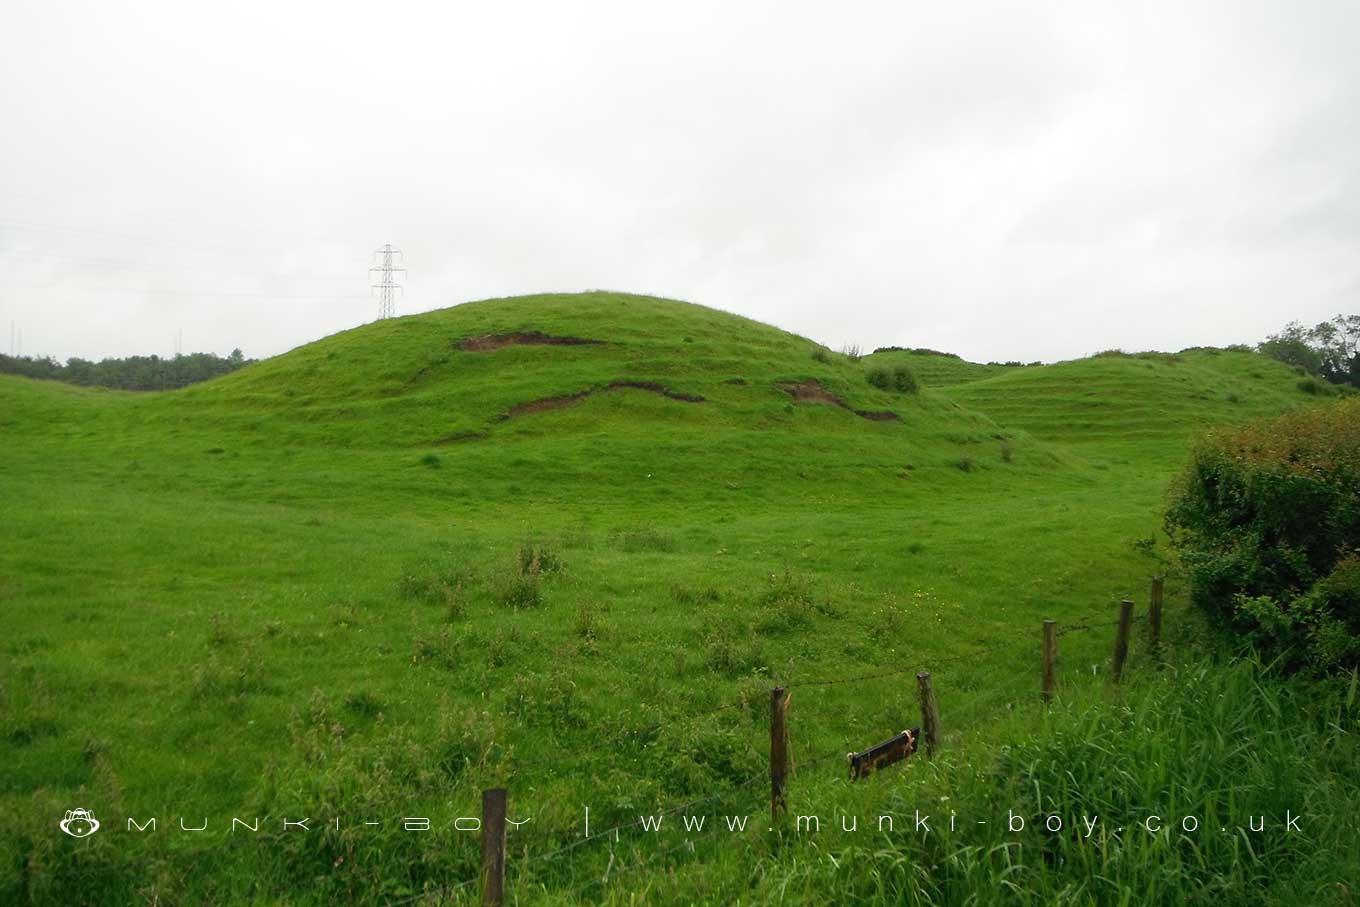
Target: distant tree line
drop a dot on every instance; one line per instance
(134, 373)
(918, 350)
(927, 351)
(1330, 349)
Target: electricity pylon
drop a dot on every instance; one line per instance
(386, 287)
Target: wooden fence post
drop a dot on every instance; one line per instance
(493, 847)
(1050, 659)
(1155, 612)
(930, 712)
(779, 751)
(1121, 640)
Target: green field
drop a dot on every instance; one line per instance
(382, 572)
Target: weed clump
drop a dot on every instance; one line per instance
(219, 631)
(554, 699)
(437, 649)
(522, 588)
(685, 595)
(441, 583)
(363, 704)
(228, 681)
(589, 628)
(538, 558)
(732, 650)
(644, 538)
(788, 603)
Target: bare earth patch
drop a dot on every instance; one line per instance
(490, 342)
(546, 403)
(812, 392)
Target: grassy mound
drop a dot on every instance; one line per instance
(1148, 402)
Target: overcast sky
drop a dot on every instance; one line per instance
(1006, 181)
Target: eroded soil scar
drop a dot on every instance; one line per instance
(812, 392)
(489, 342)
(563, 400)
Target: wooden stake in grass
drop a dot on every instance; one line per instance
(1050, 659)
(930, 713)
(1121, 640)
(779, 751)
(1155, 612)
(493, 847)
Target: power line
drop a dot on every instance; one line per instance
(139, 266)
(106, 289)
(213, 249)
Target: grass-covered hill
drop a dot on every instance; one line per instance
(538, 542)
(936, 369)
(587, 393)
(1113, 401)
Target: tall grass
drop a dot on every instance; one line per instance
(1174, 790)
(1224, 746)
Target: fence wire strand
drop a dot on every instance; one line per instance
(1081, 624)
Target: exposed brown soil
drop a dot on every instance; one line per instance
(490, 342)
(547, 403)
(877, 415)
(812, 392)
(459, 437)
(656, 389)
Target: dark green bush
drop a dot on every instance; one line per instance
(1267, 520)
(898, 378)
(904, 380)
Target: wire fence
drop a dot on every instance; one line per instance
(617, 868)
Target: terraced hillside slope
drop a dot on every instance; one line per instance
(1151, 403)
(936, 369)
(566, 543)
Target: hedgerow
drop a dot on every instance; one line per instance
(1267, 520)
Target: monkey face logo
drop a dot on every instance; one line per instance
(79, 823)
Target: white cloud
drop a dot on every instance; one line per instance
(1041, 181)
